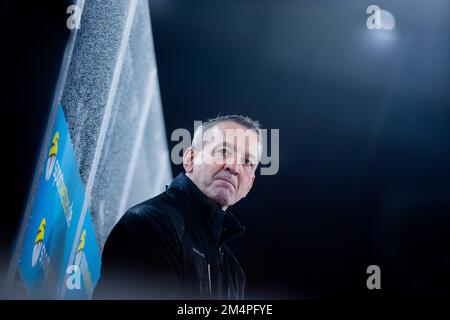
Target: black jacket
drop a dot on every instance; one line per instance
(173, 246)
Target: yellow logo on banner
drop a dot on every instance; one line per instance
(38, 242)
(52, 156)
(82, 239)
(41, 231)
(81, 261)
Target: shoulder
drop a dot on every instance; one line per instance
(159, 214)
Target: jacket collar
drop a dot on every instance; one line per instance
(222, 223)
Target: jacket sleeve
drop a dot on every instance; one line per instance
(141, 259)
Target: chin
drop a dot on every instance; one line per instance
(222, 197)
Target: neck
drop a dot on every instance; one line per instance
(189, 175)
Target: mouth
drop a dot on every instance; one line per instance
(227, 182)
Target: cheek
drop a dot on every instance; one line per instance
(207, 172)
(216, 168)
(244, 183)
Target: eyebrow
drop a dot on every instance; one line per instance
(247, 154)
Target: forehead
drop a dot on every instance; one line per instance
(231, 133)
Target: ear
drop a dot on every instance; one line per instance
(251, 185)
(188, 160)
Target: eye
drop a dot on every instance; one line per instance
(249, 163)
(223, 152)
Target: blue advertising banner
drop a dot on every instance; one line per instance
(85, 272)
(51, 229)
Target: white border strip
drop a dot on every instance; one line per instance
(151, 87)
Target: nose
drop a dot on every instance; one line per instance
(232, 168)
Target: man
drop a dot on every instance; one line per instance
(173, 246)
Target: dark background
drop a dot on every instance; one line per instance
(364, 119)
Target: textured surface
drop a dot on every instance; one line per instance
(112, 85)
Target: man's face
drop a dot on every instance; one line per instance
(224, 167)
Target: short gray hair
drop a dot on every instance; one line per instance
(244, 121)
